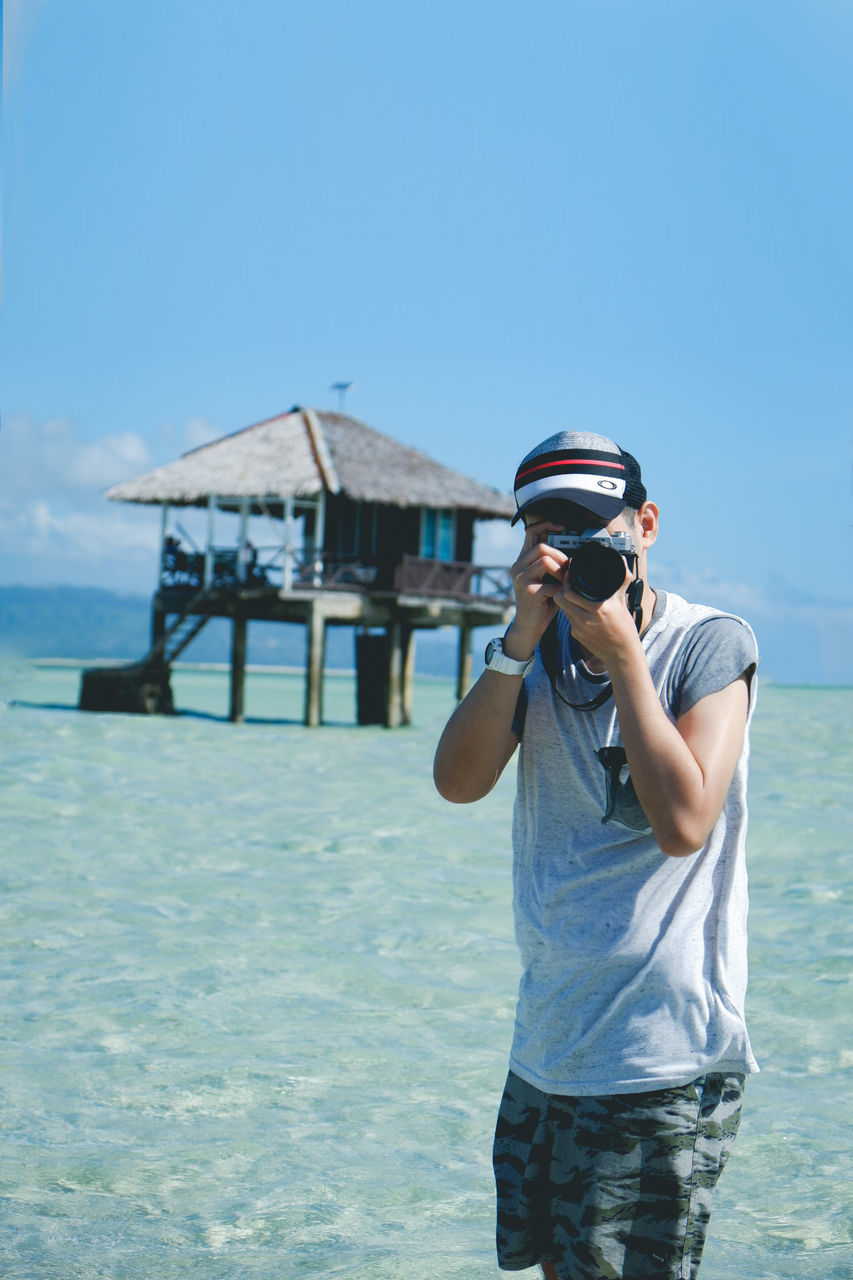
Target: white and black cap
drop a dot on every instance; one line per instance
(580, 467)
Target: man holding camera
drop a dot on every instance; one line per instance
(631, 708)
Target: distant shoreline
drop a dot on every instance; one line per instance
(252, 668)
(255, 668)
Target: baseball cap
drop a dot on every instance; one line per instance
(580, 467)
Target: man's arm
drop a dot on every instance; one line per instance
(681, 772)
(478, 741)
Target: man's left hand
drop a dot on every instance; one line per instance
(605, 628)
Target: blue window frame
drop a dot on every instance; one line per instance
(438, 533)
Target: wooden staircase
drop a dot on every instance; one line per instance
(175, 639)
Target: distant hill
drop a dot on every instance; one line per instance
(72, 622)
(90, 623)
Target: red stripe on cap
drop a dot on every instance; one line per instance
(569, 466)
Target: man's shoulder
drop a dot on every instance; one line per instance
(682, 615)
(709, 647)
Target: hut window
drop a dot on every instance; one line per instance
(437, 533)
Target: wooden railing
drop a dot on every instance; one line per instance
(183, 568)
(453, 579)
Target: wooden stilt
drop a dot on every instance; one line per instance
(315, 661)
(393, 689)
(239, 629)
(463, 665)
(408, 675)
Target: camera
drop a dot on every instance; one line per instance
(596, 568)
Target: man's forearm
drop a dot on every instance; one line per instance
(666, 777)
(478, 740)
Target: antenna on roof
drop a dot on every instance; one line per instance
(342, 388)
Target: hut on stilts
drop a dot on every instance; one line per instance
(372, 534)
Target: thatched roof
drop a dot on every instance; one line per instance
(303, 453)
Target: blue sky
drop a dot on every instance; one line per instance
(499, 219)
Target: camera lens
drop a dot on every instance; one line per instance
(596, 571)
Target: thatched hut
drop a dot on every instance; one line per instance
(371, 533)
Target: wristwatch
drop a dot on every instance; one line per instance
(497, 660)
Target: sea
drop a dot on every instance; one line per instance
(257, 991)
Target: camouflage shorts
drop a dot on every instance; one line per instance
(611, 1188)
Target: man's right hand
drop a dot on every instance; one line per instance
(536, 578)
(478, 741)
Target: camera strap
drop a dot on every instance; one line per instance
(549, 651)
(634, 598)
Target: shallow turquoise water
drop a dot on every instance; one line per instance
(257, 994)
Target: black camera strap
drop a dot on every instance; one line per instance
(549, 651)
(634, 597)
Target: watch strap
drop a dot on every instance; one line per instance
(497, 660)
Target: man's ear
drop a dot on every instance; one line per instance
(648, 517)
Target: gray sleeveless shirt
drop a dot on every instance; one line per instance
(634, 963)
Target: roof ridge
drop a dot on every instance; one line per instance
(320, 450)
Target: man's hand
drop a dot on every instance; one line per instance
(478, 741)
(605, 628)
(534, 596)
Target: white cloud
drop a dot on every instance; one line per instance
(52, 458)
(104, 546)
(55, 524)
(95, 535)
(705, 586)
(103, 462)
(37, 520)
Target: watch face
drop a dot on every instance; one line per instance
(493, 647)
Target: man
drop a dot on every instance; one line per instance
(630, 1048)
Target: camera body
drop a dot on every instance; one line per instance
(568, 542)
(596, 567)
